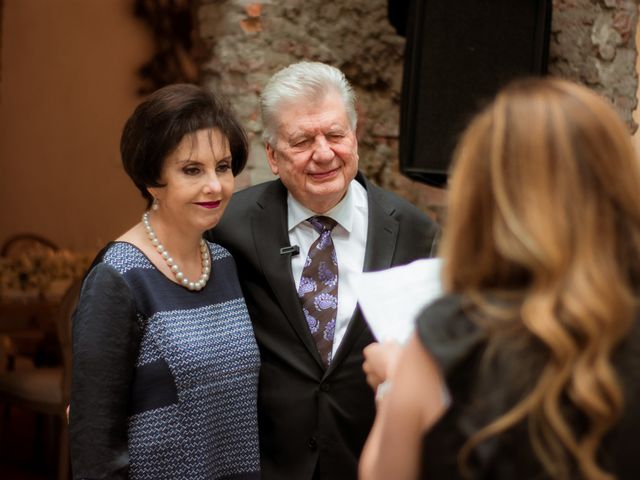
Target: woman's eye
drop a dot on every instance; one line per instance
(223, 167)
(191, 170)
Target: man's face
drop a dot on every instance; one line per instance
(316, 152)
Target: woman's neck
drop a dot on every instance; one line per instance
(182, 243)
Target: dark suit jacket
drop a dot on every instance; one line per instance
(310, 418)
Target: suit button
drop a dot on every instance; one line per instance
(325, 387)
(312, 443)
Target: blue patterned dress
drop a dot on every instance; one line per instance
(165, 379)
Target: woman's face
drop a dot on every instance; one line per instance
(198, 182)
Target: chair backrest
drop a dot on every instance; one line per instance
(63, 324)
(25, 243)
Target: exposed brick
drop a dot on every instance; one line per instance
(251, 25)
(253, 10)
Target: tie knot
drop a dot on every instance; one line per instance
(322, 223)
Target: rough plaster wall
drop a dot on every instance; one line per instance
(592, 43)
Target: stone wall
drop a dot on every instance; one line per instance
(245, 42)
(593, 43)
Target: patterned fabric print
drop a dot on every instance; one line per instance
(324, 240)
(210, 350)
(217, 252)
(148, 351)
(318, 290)
(327, 275)
(307, 285)
(329, 329)
(311, 321)
(155, 439)
(215, 360)
(325, 301)
(124, 257)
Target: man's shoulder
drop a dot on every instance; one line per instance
(250, 197)
(253, 192)
(242, 206)
(391, 200)
(414, 223)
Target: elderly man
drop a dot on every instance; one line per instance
(299, 242)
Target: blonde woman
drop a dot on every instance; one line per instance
(529, 366)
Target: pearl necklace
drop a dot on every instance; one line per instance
(175, 269)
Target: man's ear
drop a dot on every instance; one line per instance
(355, 139)
(271, 158)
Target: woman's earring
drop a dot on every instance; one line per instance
(155, 205)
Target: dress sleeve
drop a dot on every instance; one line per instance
(455, 342)
(105, 341)
(448, 334)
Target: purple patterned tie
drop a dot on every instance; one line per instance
(318, 290)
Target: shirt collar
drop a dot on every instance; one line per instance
(341, 213)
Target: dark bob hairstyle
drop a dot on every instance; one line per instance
(158, 125)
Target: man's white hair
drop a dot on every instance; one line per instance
(303, 82)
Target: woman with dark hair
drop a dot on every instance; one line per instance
(165, 364)
(529, 366)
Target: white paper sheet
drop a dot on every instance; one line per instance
(391, 299)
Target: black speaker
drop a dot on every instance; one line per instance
(458, 55)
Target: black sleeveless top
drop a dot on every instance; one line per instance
(481, 391)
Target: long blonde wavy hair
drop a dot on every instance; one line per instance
(544, 207)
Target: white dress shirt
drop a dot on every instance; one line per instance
(349, 239)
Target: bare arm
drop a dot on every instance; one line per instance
(413, 404)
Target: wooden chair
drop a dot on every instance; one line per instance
(46, 390)
(24, 343)
(25, 243)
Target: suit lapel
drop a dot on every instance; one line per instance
(382, 234)
(271, 217)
